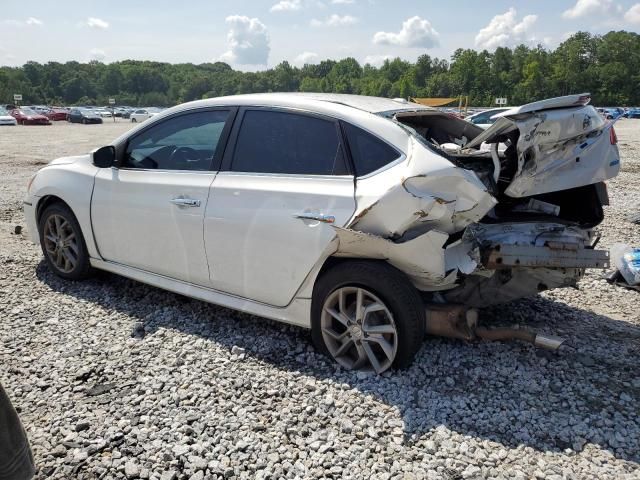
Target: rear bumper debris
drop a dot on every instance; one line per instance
(508, 256)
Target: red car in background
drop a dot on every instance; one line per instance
(26, 116)
(57, 114)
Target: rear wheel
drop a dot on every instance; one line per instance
(63, 244)
(366, 315)
(133, 120)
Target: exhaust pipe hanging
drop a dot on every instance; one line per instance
(458, 321)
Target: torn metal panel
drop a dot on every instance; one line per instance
(559, 150)
(429, 195)
(421, 258)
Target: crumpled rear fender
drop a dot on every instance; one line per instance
(430, 193)
(422, 258)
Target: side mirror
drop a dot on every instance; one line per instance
(105, 157)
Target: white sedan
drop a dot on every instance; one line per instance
(142, 114)
(343, 214)
(103, 112)
(6, 119)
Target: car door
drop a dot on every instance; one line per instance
(148, 213)
(269, 218)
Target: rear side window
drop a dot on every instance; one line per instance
(368, 152)
(281, 142)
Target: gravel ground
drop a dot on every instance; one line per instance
(115, 379)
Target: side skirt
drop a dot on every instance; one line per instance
(298, 312)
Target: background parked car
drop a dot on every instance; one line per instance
(26, 116)
(142, 114)
(483, 119)
(57, 114)
(83, 115)
(103, 112)
(5, 118)
(633, 113)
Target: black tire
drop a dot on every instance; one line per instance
(391, 286)
(133, 120)
(82, 268)
(84, 121)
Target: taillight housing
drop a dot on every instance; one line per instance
(613, 138)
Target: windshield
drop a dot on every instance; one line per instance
(3, 111)
(28, 111)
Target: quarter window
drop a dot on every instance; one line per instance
(280, 142)
(184, 142)
(368, 152)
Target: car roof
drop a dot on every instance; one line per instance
(360, 102)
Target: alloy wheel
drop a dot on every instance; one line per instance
(359, 330)
(61, 243)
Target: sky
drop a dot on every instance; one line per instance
(259, 34)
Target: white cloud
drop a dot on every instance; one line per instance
(582, 8)
(306, 58)
(248, 41)
(376, 60)
(34, 21)
(335, 21)
(415, 32)
(97, 23)
(505, 30)
(286, 6)
(31, 22)
(342, 2)
(97, 54)
(633, 14)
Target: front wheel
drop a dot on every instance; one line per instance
(63, 244)
(133, 120)
(367, 316)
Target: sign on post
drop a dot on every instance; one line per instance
(112, 102)
(17, 97)
(501, 101)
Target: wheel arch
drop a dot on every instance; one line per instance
(47, 200)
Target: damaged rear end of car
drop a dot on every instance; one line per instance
(479, 217)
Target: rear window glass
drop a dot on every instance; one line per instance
(368, 152)
(281, 142)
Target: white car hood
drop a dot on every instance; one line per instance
(70, 160)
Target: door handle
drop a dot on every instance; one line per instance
(185, 202)
(319, 217)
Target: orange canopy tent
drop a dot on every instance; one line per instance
(434, 102)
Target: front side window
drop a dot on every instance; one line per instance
(368, 152)
(288, 143)
(184, 142)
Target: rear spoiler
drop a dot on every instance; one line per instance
(578, 100)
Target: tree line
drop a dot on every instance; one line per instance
(607, 65)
